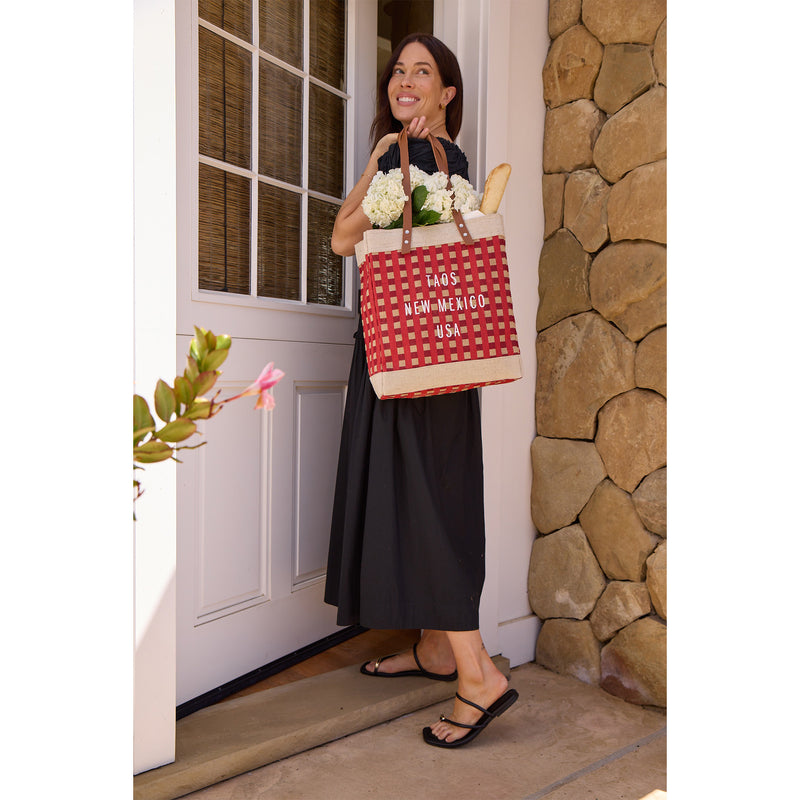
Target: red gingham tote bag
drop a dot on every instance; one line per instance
(436, 303)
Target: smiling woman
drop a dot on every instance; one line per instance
(416, 89)
(407, 546)
(424, 70)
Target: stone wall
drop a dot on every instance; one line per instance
(598, 566)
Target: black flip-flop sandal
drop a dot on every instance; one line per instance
(409, 673)
(495, 710)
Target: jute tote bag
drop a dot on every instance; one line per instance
(436, 302)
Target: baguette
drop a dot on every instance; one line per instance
(494, 188)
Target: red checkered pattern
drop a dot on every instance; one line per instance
(438, 304)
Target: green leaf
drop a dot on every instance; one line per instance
(142, 418)
(418, 198)
(211, 341)
(184, 390)
(177, 430)
(164, 400)
(192, 370)
(139, 434)
(204, 382)
(398, 223)
(199, 346)
(427, 217)
(200, 410)
(150, 452)
(223, 342)
(213, 360)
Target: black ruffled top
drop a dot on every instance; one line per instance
(420, 153)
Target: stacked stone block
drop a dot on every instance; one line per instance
(598, 500)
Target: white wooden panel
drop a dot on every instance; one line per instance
(240, 494)
(232, 567)
(318, 425)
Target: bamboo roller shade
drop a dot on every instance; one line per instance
(225, 134)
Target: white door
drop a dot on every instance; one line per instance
(265, 101)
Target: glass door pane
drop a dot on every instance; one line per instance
(279, 231)
(280, 123)
(224, 100)
(280, 30)
(326, 41)
(326, 140)
(233, 16)
(224, 231)
(325, 273)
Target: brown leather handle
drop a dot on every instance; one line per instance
(441, 163)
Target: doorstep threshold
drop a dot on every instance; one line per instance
(245, 733)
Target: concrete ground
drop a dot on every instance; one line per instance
(562, 740)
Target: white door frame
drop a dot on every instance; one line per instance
(501, 46)
(155, 171)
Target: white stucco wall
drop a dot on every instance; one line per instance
(67, 327)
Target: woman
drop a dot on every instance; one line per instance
(407, 536)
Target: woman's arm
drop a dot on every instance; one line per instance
(351, 221)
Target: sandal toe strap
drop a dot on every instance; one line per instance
(443, 718)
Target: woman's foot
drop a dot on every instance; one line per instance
(484, 695)
(433, 651)
(479, 681)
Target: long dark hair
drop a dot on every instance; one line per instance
(450, 73)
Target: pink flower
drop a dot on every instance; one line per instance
(265, 381)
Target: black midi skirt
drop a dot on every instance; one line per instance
(407, 535)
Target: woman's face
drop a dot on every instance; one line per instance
(416, 90)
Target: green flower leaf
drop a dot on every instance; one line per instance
(427, 217)
(418, 198)
(201, 409)
(199, 346)
(184, 390)
(138, 435)
(223, 342)
(142, 418)
(150, 452)
(192, 370)
(213, 360)
(398, 223)
(204, 382)
(164, 400)
(211, 340)
(177, 430)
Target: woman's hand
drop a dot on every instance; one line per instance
(417, 128)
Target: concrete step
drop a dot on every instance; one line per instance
(236, 736)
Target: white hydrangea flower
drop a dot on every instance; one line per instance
(439, 200)
(384, 200)
(436, 182)
(418, 177)
(465, 197)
